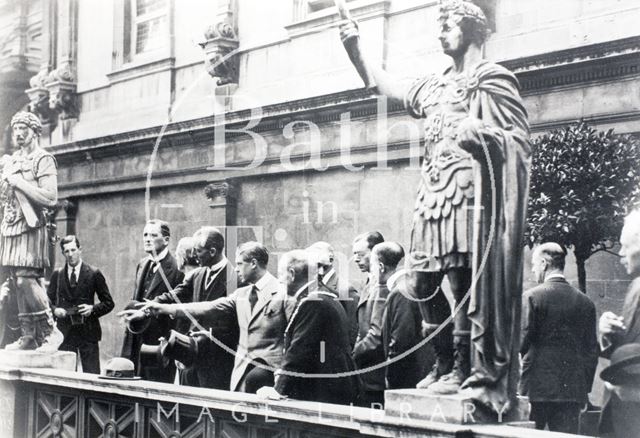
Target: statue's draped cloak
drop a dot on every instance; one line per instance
(501, 179)
(502, 188)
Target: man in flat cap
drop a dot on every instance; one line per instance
(28, 188)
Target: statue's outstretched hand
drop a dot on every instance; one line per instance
(348, 30)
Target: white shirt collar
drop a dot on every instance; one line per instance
(262, 282)
(161, 255)
(328, 276)
(76, 268)
(549, 277)
(221, 264)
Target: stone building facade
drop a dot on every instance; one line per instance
(247, 114)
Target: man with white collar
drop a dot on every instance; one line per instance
(559, 344)
(261, 310)
(156, 274)
(71, 292)
(330, 280)
(401, 321)
(316, 341)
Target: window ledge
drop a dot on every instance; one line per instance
(141, 67)
(327, 18)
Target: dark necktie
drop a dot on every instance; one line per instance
(209, 278)
(73, 280)
(151, 271)
(253, 296)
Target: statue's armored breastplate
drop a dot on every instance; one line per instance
(447, 172)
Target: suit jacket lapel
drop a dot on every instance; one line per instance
(83, 278)
(264, 298)
(157, 280)
(141, 274)
(365, 293)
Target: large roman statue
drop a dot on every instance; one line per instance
(28, 188)
(469, 213)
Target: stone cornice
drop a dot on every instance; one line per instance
(574, 55)
(319, 109)
(576, 66)
(537, 74)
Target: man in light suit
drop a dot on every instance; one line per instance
(559, 345)
(148, 285)
(71, 292)
(619, 417)
(262, 310)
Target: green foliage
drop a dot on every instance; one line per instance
(582, 183)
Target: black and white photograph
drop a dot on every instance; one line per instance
(319, 218)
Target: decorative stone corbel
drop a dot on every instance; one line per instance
(39, 97)
(222, 197)
(219, 193)
(220, 43)
(62, 92)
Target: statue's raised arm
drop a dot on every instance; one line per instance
(372, 76)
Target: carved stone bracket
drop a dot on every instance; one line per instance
(220, 193)
(220, 43)
(62, 92)
(39, 98)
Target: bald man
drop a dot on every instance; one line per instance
(330, 279)
(559, 344)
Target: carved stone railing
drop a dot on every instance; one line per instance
(55, 403)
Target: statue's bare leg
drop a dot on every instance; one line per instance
(38, 328)
(460, 281)
(435, 310)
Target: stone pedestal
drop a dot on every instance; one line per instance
(14, 400)
(60, 360)
(414, 404)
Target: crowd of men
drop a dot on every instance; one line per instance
(292, 334)
(309, 333)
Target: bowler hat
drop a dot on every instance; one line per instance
(181, 347)
(119, 368)
(625, 366)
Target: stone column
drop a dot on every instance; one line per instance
(66, 218)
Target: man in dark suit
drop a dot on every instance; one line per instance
(620, 417)
(368, 350)
(261, 310)
(212, 365)
(316, 340)
(401, 320)
(559, 344)
(71, 291)
(148, 285)
(330, 280)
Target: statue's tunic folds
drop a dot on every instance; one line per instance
(492, 177)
